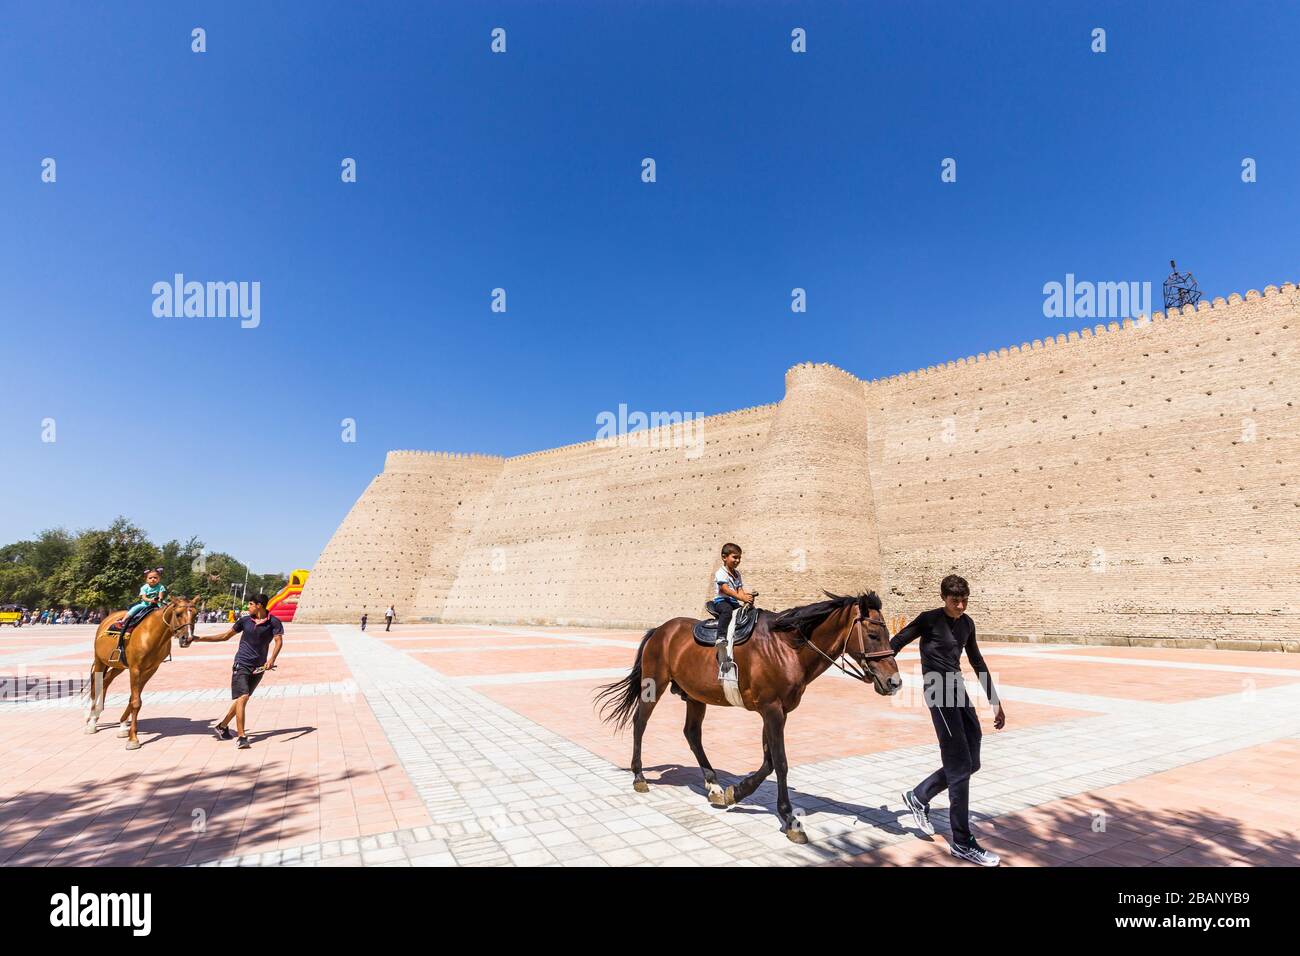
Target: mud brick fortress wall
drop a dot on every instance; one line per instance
(1110, 483)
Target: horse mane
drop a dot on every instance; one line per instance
(806, 619)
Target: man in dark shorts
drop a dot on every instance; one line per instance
(257, 631)
(945, 632)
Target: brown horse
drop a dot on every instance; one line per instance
(785, 653)
(146, 649)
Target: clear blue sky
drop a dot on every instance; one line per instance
(775, 170)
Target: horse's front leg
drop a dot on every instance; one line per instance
(750, 783)
(124, 722)
(774, 726)
(138, 680)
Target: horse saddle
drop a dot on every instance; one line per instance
(706, 632)
(126, 624)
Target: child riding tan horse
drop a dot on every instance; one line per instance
(146, 649)
(786, 653)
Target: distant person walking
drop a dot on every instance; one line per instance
(389, 615)
(363, 621)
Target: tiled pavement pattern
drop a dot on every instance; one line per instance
(446, 745)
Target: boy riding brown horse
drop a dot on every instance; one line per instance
(147, 647)
(786, 653)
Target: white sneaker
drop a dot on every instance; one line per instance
(975, 853)
(920, 812)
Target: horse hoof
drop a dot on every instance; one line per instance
(718, 797)
(124, 732)
(133, 745)
(90, 729)
(730, 796)
(796, 836)
(640, 786)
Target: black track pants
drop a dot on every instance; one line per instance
(958, 730)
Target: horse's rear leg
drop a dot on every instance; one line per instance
(137, 686)
(644, 708)
(123, 728)
(654, 680)
(694, 731)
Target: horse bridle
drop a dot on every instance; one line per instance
(850, 666)
(174, 628)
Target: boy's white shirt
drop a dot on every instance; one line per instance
(723, 576)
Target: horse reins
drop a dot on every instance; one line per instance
(853, 669)
(174, 628)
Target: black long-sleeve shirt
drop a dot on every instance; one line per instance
(942, 641)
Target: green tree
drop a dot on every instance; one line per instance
(269, 584)
(40, 558)
(183, 566)
(106, 568)
(20, 584)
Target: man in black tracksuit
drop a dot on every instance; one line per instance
(945, 632)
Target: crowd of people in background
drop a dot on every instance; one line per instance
(71, 615)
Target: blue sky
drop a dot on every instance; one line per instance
(522, 171)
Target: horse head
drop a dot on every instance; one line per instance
(184, 612)
(868, 645)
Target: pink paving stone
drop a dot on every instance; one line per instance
(539, 633)
(182, 674)
(486, 643)
(837, 718)
(1153, 684)
(1189, 816)
(1177, 655)
(558, 658)
(206, 665)
(71, 798)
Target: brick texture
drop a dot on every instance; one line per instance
(1113, 483)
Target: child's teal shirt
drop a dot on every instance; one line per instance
(148, 592)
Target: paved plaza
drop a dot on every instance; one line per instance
(444, 745)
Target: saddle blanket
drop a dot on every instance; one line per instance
(706, 632)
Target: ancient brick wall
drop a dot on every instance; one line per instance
(1107, 483)
(808, 517)
(403, 537)
(601, 534)
(1122, 482)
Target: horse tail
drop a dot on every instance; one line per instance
(618, 700)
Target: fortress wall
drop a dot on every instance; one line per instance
(403, 536)
(1134, 482)
(808, 517)
(592, 534)
(1107, 483)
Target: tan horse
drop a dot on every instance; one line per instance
(146, 649)
(785, 653)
